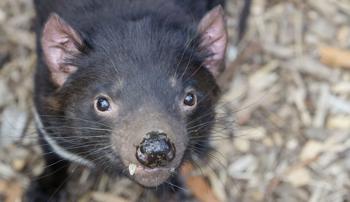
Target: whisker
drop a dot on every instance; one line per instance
(176, 186)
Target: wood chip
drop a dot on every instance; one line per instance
(311, 150)
(339, 122)
(198, 185)
(11, 190)
(335, 57)
(299, 177)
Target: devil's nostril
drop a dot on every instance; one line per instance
(155, 150)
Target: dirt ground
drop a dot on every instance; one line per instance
(285, 129)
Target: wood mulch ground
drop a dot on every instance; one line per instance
(283, 131)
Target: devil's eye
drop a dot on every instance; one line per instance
(102, 104)
(190, 100)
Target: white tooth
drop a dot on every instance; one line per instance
(132, 169)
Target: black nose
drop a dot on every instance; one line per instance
(155, 150)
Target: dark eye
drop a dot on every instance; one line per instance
(102, 104)
(190, 100)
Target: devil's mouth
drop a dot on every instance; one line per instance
(150, 177)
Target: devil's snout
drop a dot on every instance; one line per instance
(155, 150)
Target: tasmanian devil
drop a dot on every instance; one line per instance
(125, 86)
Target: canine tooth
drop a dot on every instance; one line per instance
(132, 169)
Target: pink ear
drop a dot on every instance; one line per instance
(213, 32)
(59, 42)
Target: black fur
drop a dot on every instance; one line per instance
(142, 43)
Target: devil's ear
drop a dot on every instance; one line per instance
(60, 42)
(213, 32)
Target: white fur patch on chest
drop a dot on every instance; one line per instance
(57, 148)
